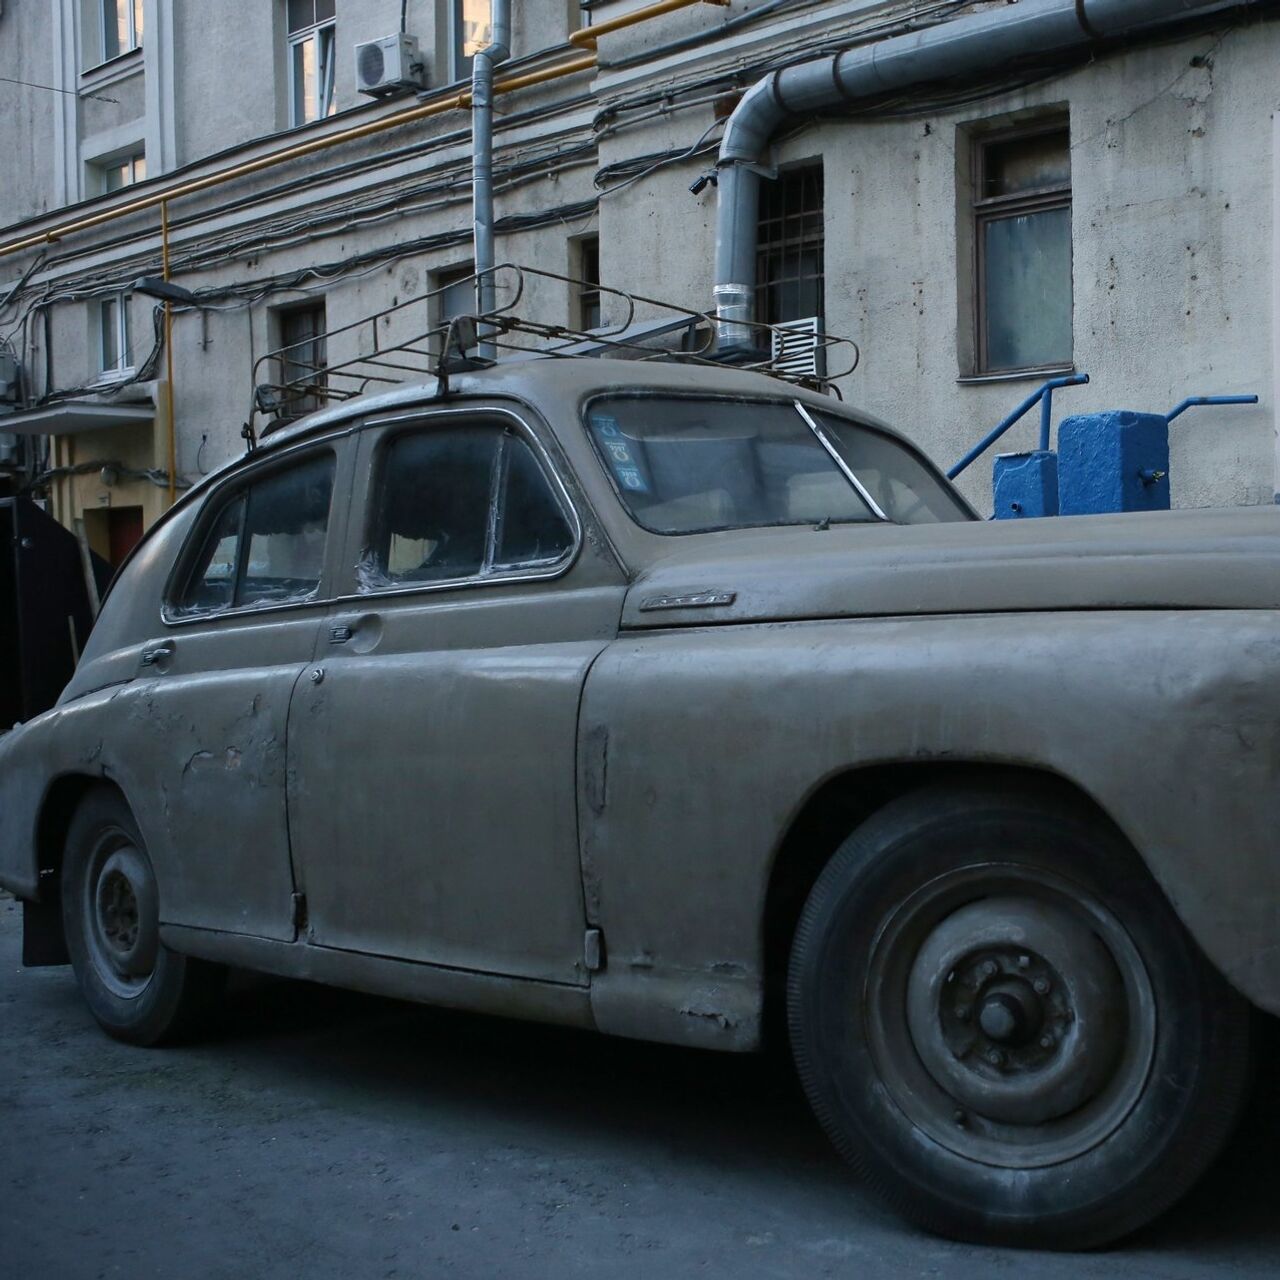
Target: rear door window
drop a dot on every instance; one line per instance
(266, 543)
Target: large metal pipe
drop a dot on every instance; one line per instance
(482, 76)
(966, 47)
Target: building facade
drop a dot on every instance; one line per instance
(1114, 213)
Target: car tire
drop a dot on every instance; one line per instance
(1003, 1026)
(137, 989)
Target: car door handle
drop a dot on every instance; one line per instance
(361, 631)
(158, 654)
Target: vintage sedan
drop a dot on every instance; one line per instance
(681, 704)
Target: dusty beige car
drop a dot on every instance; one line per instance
(683, 705)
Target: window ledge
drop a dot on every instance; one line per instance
(1016, 375)
(121, 67)
(110, 378)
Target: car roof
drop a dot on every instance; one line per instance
(555, 387)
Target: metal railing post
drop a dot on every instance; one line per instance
(1043, 395)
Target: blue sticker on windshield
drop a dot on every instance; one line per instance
(621, 454)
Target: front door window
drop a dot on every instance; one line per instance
(462, 503)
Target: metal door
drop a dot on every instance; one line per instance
(201, 731)
(433, 759)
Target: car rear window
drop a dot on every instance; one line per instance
(698, 464)
(265, 544)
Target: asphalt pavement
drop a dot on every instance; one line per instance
(321, 1134)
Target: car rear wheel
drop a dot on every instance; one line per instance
(136, 988)
(1001, 1023)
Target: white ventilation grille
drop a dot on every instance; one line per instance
(798, 348)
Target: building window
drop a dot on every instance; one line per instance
(471, 30)
(311, 60)
(1021, 209)
(124, 172)
(121, 22)
(115, 348)
(302, 359)
(455, 290)
(587, 289)
(789, 255)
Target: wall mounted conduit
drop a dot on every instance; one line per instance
(964, 47)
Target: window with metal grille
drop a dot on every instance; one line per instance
(1021, 210)
(789, 252)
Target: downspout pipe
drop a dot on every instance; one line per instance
(965, 47)
(498, 50)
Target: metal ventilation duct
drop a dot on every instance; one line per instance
(967, 47)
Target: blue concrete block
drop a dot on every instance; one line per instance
(1113, 461)
(1025, 484)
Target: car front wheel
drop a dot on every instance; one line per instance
(136, 988)
(1002, 1024)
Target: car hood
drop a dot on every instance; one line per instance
(1207, 559)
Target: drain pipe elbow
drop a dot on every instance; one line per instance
(482, 73)
(753, 123)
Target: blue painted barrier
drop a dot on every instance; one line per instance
(1113, 461)
(1025, 485)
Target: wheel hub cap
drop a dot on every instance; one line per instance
(118, 909)
(1016, 1009)
(122, 918)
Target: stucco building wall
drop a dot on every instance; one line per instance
(1173, 173)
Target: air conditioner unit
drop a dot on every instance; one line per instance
(390, 65)
(798, 348)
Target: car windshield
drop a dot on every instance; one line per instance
(693, 464)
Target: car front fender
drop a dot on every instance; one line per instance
(699, 747)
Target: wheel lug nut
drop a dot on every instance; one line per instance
(1024, 962)
(962, 1012)
(1046, 1042)
(990, 969)
(996, 1058)
(1041, 986)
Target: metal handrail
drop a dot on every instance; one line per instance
(1043, 394)
(1191, 401)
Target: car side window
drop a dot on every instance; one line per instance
(460, 503)
(266, 545)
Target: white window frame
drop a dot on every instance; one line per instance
(324, 36)
(108, 12)
(459, 62)
(130, 162)
(116, 331)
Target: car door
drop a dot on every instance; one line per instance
(432, 763)
(202, 729)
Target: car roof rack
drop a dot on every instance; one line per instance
(392, 346)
